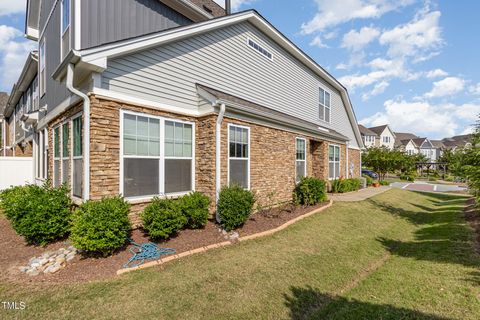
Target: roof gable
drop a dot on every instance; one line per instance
(365, 131)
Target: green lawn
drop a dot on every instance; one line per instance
(400, 255)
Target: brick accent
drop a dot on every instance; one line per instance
(24, 151)
(272, 154)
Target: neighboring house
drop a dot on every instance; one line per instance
(368, 136)
(386, 137)
(426, 148)
(192, 100)
(405, 142)
(3, 126)
(457, 143)
(439, 148)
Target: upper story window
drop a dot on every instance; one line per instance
(386, 139)
(324, 105)
(43, 77)
(65, 28)
(260, 49)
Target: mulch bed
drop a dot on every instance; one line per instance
(472, 215)
(15, 252)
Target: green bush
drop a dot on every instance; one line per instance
(235, 206)
(195, 208)
(384, 183)
(101, 226)
(432, 179)
(163, 218)
(346, 185)
(449, 178)
(310, 191)
(369, 180)
(408, 176)
(41, 214)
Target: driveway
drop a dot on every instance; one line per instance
(423, 186)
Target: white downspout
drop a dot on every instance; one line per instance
(346, 162)
(86, 131)
(218, 156)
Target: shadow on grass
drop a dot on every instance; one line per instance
(309, 303)
(443, 237)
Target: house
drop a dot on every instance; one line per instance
(426, 148)
(3, 127)
(405, 142)
(457, 143)
(386, 137)
(195, 99)
(368, 136)
(439, 148)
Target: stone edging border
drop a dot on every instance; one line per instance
(223, 244)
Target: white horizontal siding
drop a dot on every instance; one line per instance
(223, 60)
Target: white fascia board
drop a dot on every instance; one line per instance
(31, 34)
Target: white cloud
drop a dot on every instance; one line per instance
(379, 88)
(8, 7)
(13, 52)
(357, 40)
(475, 89)
(437, 73)
(332, 13)
(317, 41)
(416, 38)
(423, 118)
(446, 87)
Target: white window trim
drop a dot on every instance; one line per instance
(296, 160)
(262, 46)
(60, 151)
(324, 105)
(334, 162)
(42, 66)
(62, 32)
(72, 157)
(161, 158)
(235, 158)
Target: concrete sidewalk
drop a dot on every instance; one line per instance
(358, 195)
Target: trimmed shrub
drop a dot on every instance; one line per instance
(41, 214)
(163, 217)
(408, 176)
(384, 183)
(346, 185)
(101, 226)
(195, 208)
(310, 191)
(235, 206)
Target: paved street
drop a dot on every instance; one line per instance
(423, 186)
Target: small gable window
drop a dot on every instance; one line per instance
(324, 105)
(260, 49)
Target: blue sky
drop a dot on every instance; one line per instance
(412, 64)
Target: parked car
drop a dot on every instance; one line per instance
(370, 173)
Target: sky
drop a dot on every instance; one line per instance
(411, 64)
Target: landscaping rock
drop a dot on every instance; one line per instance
(49, 262)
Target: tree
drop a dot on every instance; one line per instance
(471, 163)
(382, 161)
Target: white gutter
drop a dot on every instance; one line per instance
(218, 156)
(86, 131)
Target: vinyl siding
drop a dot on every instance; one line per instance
(55, 92)
(222, 60)
(112, 20)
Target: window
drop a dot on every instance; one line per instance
(155, 163)
(35, 94)
(260, 49)
(386, 139)
(65, 153)
(178, 157)
(56, 157)
(333, 162)
(65, 28)
(324, 105)
(43, 78)
(40, 163)
(238, 156)
(77, 153)
(301, 160)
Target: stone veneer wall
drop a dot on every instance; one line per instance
(272, 155)
(355, 156)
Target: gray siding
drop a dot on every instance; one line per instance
(106, 21)
(223, 60)
(56, 92)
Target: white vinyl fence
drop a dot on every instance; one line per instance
(15, 171)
